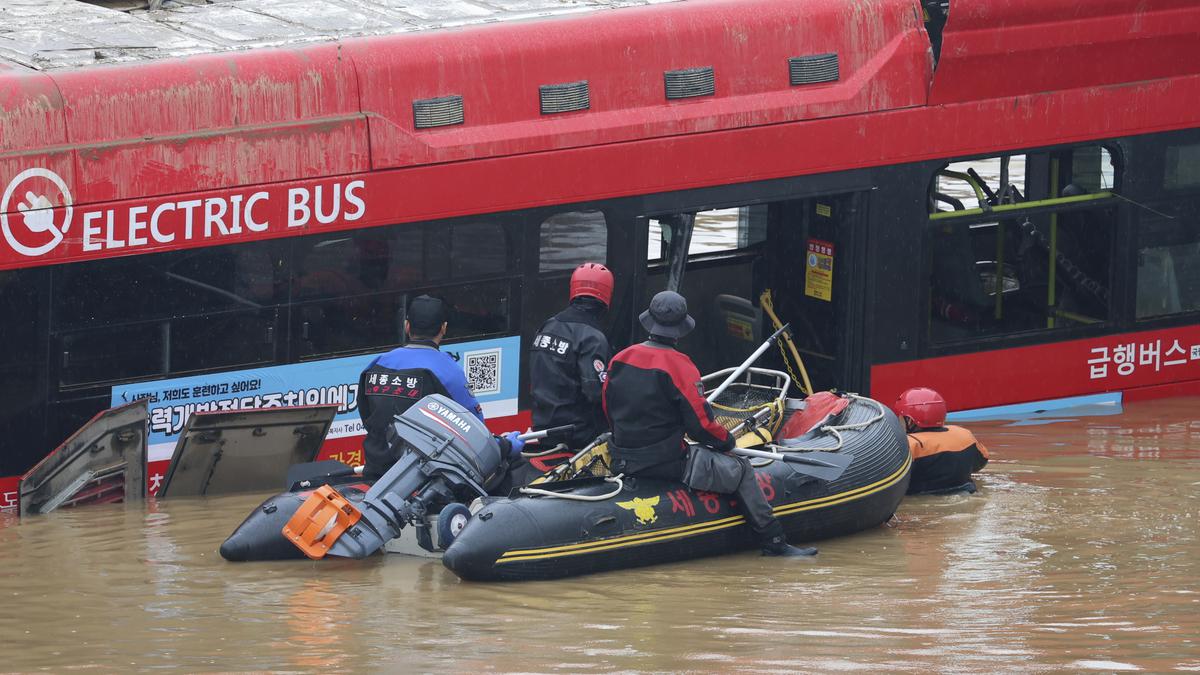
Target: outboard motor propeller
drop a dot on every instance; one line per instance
(449, 456)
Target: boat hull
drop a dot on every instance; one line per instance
(260, 536)
(655, 521)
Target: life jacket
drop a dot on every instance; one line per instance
(944, 459)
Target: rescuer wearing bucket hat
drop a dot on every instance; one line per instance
(653, 397)
(568, 360)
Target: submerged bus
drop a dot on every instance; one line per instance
(223, 206)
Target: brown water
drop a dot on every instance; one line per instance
(1079, 553)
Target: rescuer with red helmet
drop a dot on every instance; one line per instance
(944, 457)
(569, 360)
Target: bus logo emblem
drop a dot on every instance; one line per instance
(34, 212)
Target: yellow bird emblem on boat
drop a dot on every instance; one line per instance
(642, 508)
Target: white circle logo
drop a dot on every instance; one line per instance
(432, 405)
(36, 212)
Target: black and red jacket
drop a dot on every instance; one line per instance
(654, 396)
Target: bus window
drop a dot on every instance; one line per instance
(223, 340)
(353, 284)
(567, 240)
(22, 369)
(715, 231)
(719, 288)
(469, 250)
(109, 354)
(1015, 179)
(970, 184)
(476, 310)
(345, 325)
(354, 263)
(1021, 242)
(1168, 269)
(370, 322)
(479, 249)
(1182, 167)
(128, 318)
(1036, 271)
(184, 283)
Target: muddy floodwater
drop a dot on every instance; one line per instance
(1079, 553)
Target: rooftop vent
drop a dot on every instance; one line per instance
(690, 82)
(566, 97)
(814, 68)
(438, 112)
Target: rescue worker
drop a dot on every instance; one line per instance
(394, 381)
(568, 361)
(944, 457)
(654, 396)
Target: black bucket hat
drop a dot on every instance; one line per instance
(667, 316)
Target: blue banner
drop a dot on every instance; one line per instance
(491, 367)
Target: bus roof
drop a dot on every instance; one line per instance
(51, 34)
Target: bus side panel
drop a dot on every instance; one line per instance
(622, 55)
(1049, 371)
(32, 133)
(211, 122)
(1000, 48)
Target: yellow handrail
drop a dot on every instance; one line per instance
(1021, 206)
(769, 307)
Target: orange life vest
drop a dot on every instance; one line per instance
(944, 459)
(948, 439)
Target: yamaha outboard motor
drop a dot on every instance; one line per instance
(449, 456)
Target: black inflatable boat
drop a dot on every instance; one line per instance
(847, 474)
(537, 536)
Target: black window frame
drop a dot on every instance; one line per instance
(1121, 152)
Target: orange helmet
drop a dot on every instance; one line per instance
(593, 280)
(921, 407)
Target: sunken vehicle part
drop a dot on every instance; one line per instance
(655, 521)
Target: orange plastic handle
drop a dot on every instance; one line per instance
(319, 521)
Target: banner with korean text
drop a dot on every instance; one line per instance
(491, 367)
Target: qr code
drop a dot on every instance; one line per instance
(483, 371)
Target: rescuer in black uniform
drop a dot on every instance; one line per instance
(568, 361)
(654, 396)
(392, 383)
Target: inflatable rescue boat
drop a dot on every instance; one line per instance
(599, 523)
(829, 465)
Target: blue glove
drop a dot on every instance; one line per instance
(515, 444)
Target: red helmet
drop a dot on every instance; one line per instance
(921, 407)
(594, 280)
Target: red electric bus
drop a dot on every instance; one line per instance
(222, 206)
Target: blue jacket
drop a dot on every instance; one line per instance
(392, 383)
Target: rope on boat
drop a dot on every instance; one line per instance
(834, 430)
(561, 447)
(579, 498)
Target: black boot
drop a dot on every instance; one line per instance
(778, 546)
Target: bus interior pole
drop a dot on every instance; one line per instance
(679, 227)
